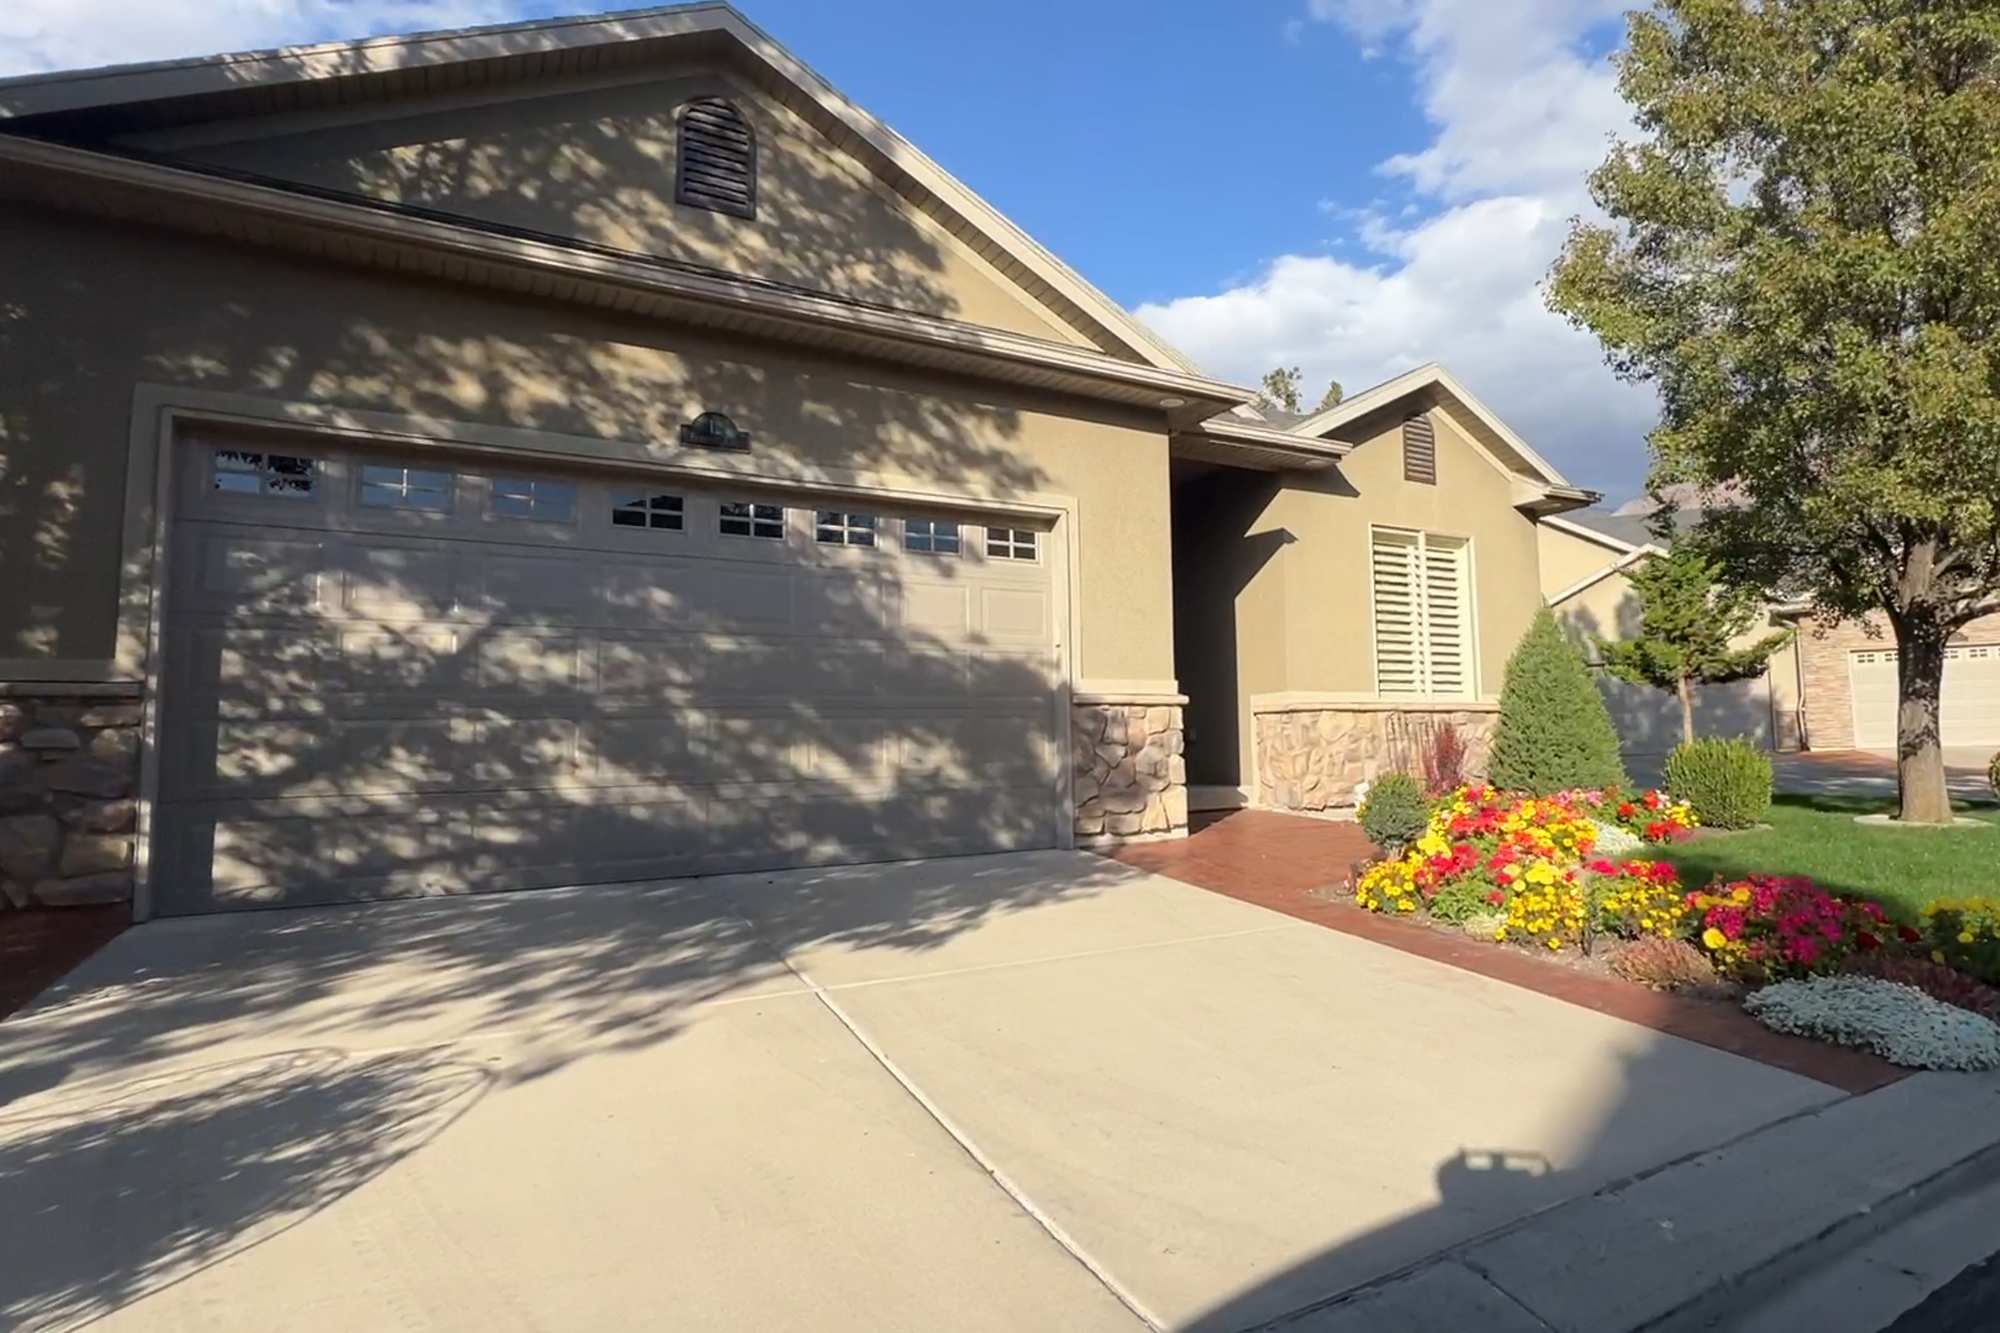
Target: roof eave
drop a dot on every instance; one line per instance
(264, 214)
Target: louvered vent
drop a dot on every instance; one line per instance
(1420, 451)
(716, 166)
(1423, 615)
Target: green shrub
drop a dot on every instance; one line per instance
(1728, 782)
(1993, 776)
(1554, 733)
(1395, 813)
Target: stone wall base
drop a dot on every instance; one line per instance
(1129, 770)
(69, 765)
(1312, 760)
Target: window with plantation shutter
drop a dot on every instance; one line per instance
(1423, 615)
(715, 163)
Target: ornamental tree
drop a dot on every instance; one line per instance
(1690, 625)
(1802, 261)
(1554, 733)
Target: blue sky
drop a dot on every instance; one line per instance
(1351, 186)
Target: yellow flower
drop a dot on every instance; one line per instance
(1965, 937)
(1937, 955)
(1714, 938)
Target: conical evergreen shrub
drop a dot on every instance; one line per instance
(1554, 732)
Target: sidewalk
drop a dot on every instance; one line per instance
(1713, 1240)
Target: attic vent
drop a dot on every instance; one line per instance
(716, 164)
(1420, 451)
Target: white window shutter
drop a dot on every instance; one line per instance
(1423, 615)
(1399, 667)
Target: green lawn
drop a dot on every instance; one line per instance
(1816, 836)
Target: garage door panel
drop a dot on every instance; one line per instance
(519, 587)
(414, 703)
(401, 583)
(1970, 710)
(940, 611)
(512, 663)
(1015, 615)
(628, 748)
(245, 573)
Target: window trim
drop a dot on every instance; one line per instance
(783, 534)
(1009, 545)
(641, 503)
(260, 471)
(534, 499)
(841, 523)
(1475, 675)
(957, 529)
(361, 485)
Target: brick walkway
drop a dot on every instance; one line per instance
(1288, 863)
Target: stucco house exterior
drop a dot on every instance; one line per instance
(1833, 688)
(595, 449)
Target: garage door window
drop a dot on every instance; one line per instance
(241, 473)
(740, 518)
(661, 513)
(536, 499)
(835, 528)
(1010, 543)
(384, 487)
(936, 536)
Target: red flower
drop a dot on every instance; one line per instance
(1495, 897)
(1907, 935)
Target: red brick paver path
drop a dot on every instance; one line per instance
(38, 945)
(1286, 863)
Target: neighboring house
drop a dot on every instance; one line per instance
(594, 449)
(1834, 688)
(1587, 561)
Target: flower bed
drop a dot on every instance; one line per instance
(1528, 862)
(1557, 874)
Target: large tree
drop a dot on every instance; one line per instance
(1803, 258)
(1692, 629)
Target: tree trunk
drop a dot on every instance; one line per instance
(1687, 708)
(1919, 751)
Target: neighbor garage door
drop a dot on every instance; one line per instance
(405, 675)
(1971, 712)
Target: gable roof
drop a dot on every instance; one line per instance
(1544, 489)
(343, 72)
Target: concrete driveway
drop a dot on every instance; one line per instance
(1035, 1091)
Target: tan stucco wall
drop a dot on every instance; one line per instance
(597, 162)
(1568, 559)
(88, 309)
(1292, 565)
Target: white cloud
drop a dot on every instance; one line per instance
(39, 35)
(1519, 114)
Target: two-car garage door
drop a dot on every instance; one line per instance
(1971, 707)
(403, 675)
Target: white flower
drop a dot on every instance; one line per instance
(1899, 1023)
(1615, 841)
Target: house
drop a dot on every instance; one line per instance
(594, 449)
(1833, 688)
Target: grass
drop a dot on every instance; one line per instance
(1816, 836)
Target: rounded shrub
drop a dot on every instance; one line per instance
(1728, 782)
(1993, 776)
(1395, 813)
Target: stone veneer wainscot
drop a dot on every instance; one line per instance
(1129, 769)
(1313, 751)
(69, 767)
